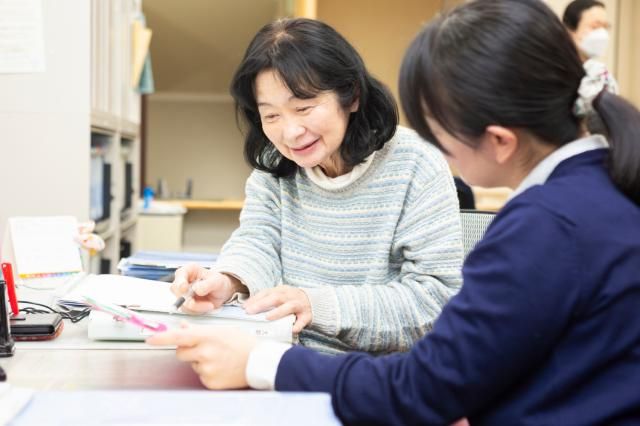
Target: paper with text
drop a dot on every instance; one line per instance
(21, 36)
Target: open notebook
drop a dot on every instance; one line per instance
(154, 300)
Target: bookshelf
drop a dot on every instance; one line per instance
(77, 113)
(115, 119)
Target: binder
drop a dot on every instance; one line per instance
(159, 264)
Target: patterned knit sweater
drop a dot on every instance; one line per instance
(377, 258)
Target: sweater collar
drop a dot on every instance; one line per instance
(541, 172)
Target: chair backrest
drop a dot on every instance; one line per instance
(474, 225)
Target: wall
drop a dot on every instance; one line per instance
(628, 58)
(380, 30)
(44, 117)
(196, 137)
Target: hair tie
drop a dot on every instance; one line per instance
(596, 80)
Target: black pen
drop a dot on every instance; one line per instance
(180, 301)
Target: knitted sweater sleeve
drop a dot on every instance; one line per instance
(252, 253)
(392, 316)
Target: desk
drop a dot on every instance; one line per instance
(71, 362)
(78, 381)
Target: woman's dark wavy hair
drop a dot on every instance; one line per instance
(510, 63)
(312, 57)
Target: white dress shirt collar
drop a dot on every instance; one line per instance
(541, 172)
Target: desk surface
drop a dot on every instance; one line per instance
(65, 363)
(79, 381)
(121, 383)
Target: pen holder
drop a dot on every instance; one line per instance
(7, 345)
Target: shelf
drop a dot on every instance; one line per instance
(128, 223)
(129, 129)
(213, 205)
(107, 234)
(101, 121)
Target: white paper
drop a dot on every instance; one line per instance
(155, 301)
(45, 245)
(144, 295)
(21, 36)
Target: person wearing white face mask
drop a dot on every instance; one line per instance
(589, 27)
(587, 23)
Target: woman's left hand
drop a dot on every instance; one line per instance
(285, 300)
(218, 355)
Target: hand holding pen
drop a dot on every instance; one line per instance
(187, 296)
(200, 290)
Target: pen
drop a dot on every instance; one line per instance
(7, 272)
(180, 301)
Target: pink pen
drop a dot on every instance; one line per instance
(127, 315)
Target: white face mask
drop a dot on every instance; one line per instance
(595, 43)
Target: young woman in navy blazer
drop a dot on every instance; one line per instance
(546, 328)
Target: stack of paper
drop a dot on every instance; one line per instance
(155, 265)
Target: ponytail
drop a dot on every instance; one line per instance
(622, 121)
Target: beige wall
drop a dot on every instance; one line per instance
(380, 30)
(196, 139)
(628, 58)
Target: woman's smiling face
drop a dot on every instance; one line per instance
(308, 132)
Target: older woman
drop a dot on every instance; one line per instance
(349, 223)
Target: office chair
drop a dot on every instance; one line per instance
(474, 224)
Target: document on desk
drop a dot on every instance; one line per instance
(178, 407)
(154, 300)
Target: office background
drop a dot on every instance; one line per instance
(191, 125)
(54, 121)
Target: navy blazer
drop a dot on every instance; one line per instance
(545, 330)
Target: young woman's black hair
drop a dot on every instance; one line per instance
(573, 12)
(510, 63)
(312, 57)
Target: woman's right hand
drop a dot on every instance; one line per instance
(211, 289)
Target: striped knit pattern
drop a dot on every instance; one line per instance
(377, 258)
